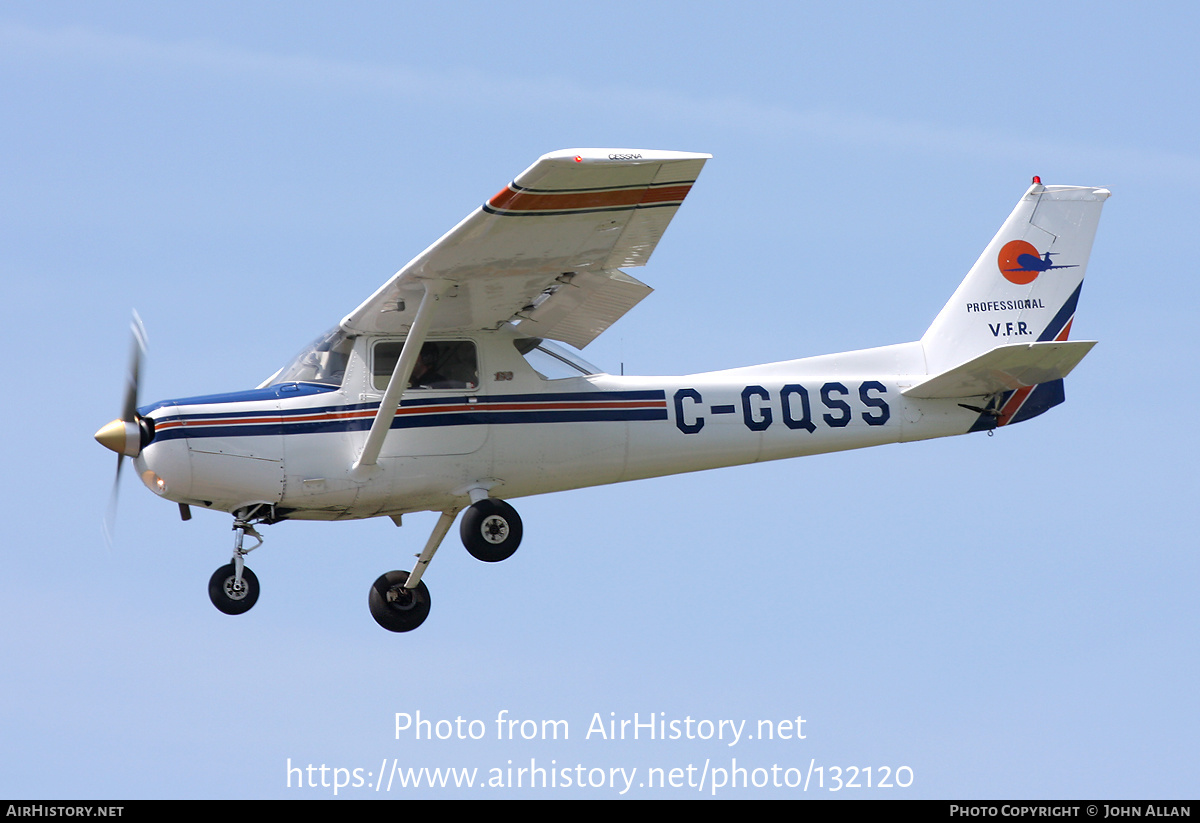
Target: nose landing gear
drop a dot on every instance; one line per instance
(230, 593)
(233, 588)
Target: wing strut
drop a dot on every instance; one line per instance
(434, 289)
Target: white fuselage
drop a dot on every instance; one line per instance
(516, 433)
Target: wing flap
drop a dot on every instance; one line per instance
(582, 306)
(1005, 368)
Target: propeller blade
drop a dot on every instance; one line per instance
(134, 378)
(110, 517)
(133, 381)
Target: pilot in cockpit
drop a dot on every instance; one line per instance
(425, 374)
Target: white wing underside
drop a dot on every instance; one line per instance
(547, 250)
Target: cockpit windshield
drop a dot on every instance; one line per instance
(322, 361)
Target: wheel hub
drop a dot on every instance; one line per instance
(400, 598)
(494, 529)
(235, 590)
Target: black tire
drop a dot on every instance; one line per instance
(491, 530)
(396, 608)
(223, 595)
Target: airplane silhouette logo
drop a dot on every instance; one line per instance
(1021, 263)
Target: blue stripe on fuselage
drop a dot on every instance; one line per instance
(276, 422)
(282, 390)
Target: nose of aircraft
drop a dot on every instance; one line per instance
(121, 436)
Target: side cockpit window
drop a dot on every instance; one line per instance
(442, 364)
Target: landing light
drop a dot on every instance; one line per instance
(153, 482)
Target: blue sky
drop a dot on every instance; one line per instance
(1011, 616)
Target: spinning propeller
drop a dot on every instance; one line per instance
(129, 433)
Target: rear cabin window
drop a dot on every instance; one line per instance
(553, 362)
(442, 364)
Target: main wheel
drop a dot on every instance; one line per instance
(396, 608)
(231, 598)
(491, 530)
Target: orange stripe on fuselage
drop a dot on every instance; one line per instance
(1014, 404)
(440, 408)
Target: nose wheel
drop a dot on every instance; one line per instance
(233, 588)
(230, 594)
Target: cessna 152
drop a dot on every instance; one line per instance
(442, 391)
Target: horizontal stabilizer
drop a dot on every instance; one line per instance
(1005, 368)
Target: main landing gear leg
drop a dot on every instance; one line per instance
(233, 588)
(399, 600)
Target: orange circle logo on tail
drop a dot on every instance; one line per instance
(1013, 267)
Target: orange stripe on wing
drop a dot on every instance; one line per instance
(513, 200)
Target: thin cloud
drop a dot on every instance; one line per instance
(75, 45)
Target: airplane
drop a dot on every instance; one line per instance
(1030, 262)
(1026, 261)
(447, 389)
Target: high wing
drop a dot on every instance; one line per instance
(546, 250)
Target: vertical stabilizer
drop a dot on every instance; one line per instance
(1025, 285)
